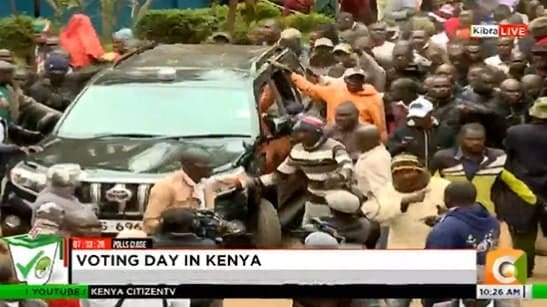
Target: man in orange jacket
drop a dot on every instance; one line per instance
(351, 87)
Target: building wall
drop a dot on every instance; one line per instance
(93, 9)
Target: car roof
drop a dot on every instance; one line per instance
(223, 65)
(203, 56)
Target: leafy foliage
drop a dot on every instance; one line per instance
(16, 34)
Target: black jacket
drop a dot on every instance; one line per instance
(424, 143)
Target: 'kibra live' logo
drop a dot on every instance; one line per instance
(503, 30)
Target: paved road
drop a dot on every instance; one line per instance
(540, 276)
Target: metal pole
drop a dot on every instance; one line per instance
(37, 12)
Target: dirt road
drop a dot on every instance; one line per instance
(540, 276)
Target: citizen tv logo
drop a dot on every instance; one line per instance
(504, 30)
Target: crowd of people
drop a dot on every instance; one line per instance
(414, 133)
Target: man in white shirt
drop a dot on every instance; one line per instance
(373, 167)
(383, 49)
(502, 59)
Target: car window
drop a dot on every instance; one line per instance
(160, 110)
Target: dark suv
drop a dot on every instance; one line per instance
(127, 128)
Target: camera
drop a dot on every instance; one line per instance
(208, 225)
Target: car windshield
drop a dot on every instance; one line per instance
(160, 110)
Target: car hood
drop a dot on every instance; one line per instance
(135, 155)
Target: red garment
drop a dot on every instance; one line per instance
(302, 6)
(81, 41)
(451, 26)
(358, 8)
(64, 303)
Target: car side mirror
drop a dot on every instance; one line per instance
(278, 125)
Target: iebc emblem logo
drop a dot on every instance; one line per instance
(503, 30)
(507, 267)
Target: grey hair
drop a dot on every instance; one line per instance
(63, 175)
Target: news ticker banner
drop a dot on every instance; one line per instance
(79, 291)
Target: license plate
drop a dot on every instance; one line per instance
(115, 226)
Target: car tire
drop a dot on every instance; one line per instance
(268, 227)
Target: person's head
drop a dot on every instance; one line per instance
(402, 54)
(409, 173)
(473, 51)
(472, 138)
(420, 112)
(539, 110)
(441, 87)
(378, 32)
(221, 38)
(447, 70)
(56, 67)
(7, 71)
(460, 194)
(291, 38)
(363, 45)
(343, 53)
(41, 28)
(176, 220)
(505, 46)
(269, 32)
(486, 82)
(324, 31)
(308, 130)
(501, 12)
(532, 85)
(196, 163)
(456, 55)
(428, 82)
(519, 63)
(6, 56)
(344, 21)
(419, 38)
(466, 19)
(367, 137)
(52, 43)
(21, 78)
(404, 89)
(64, 176)
(355, 79)
(474, 73)
(511, 91)
(320, 239)
(539, 55)
(346, 115)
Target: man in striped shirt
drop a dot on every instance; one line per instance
(324, 161)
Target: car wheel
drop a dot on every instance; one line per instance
(268, 227)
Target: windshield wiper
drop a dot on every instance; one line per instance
(201, 136)
(119, 135)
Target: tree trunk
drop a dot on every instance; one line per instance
(232, 12)
(13, 7)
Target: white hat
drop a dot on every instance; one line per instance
(320, 239)
(345, 48)
(291, 33)
(323, 41)
(343, 201)
(419, 108)
(353, 72)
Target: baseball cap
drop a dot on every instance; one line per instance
(323, 41)
(354, 71)
(343, 47)
(419, 108)
(57, 62)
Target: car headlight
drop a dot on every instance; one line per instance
(28, 179)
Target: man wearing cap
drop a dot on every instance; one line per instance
(403, 205)
(56, 89)
(352, 88)
(62, 181)
(526, 165)
(346, 58)
(422, 135)
(324, 161)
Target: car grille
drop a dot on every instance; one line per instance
(110, 197)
